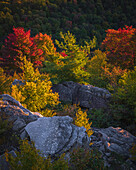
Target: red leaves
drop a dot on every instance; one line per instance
(19, 43)
(63, 54)
(120, 46)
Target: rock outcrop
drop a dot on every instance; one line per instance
(52, 135)
(16, 113)
(55, 135)
(10, 100)
(86, 96)
(113, 140)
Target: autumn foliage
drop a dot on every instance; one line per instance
(120, 47)
(45, 43)
(36, 93)
(19, 43)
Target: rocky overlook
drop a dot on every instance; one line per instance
(55, 135)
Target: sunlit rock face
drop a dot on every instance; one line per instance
(15, 113)
(87, 96)
(113, 140)
(55, 135)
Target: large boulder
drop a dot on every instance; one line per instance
(15, 113)
(12, 101)
(55, 135)
(87, 96)
(113, 140)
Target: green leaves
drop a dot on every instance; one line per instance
(74, 58)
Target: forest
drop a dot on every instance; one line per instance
(46, 42)
(84, 18)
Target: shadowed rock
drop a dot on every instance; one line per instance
(113, 140)
(86, 96)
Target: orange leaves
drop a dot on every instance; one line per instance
(45, 43)
(120, 47)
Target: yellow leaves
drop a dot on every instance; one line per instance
(96, 63)
(48, 113)
(5, 82)
(82, 120)
(36, 93)
(17, 94)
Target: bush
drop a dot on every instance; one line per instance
(133, 152)
(30, 158)
(120, 47)
(85, 159)
(17, 44)
(82, 120)
(100, 118)
(70, 64)
(79, 117)
(5, 126)
(113, 75)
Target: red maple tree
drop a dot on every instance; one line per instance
(19, 43)
(120, 47)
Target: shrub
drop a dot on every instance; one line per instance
(79, 117)
(83, 159)
(113, 75)
(133, 152)
(79, 158)
(5, 129)
(30, 158)
(5, 126)
(70, 65)
(19, 43)
(120, 47)
(100, 118)
(82, 120)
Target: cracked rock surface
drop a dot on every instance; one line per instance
(86, 96)
(114, 140)
(55, 135)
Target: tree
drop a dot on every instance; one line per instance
(36, 93)
(120, 47)
(19, 43)
(95, 68)
(72, 65)
(5, 82)
(45, 43)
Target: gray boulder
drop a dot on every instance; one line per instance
(113, 140)
(66, 90)
(15, 113)
(12, 101)
(86, 96)
(17, 82)
(55, 135)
